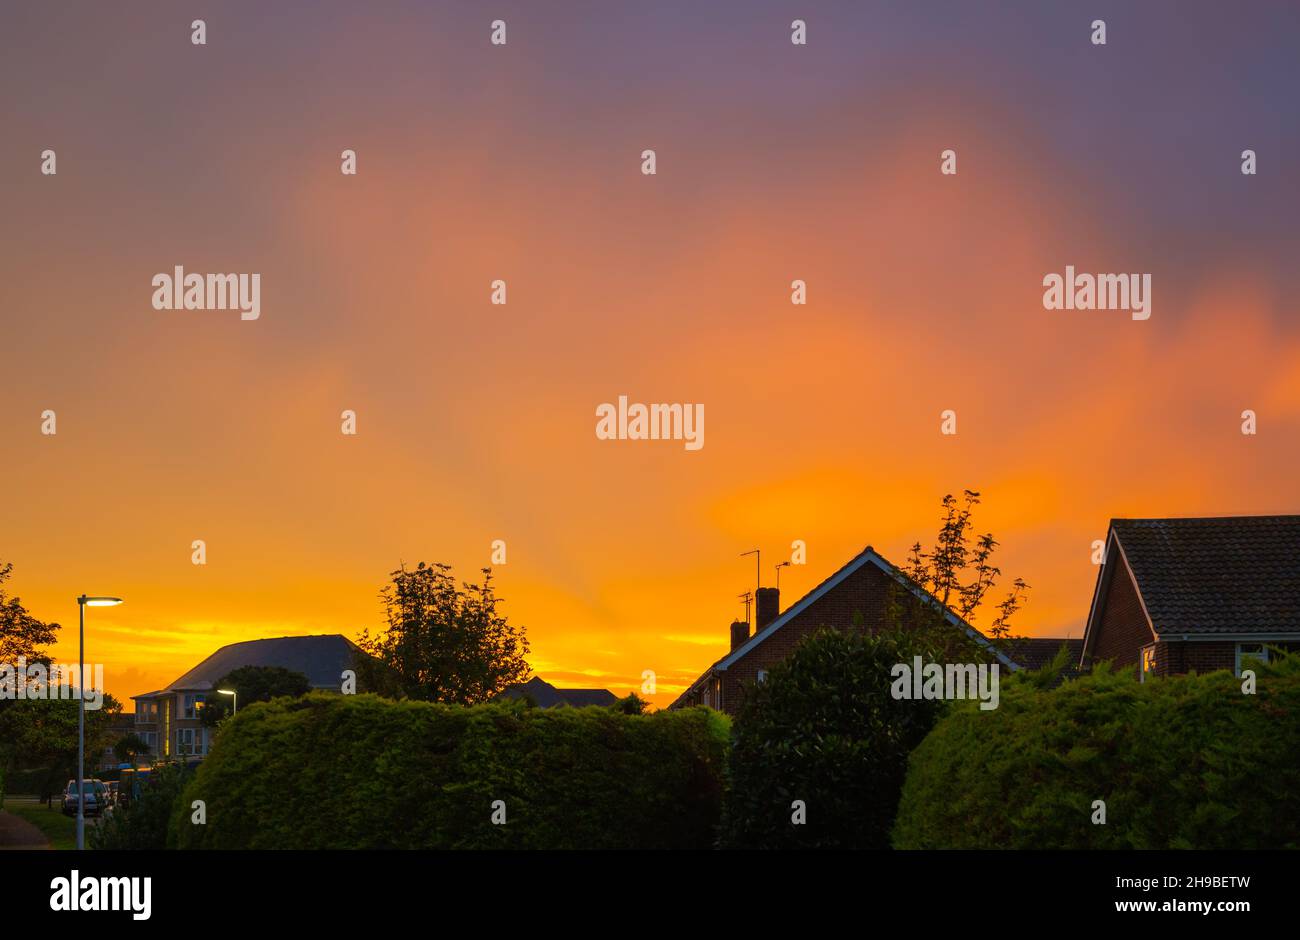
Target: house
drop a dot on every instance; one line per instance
(1184, 595)
(861, 589)
(545, 695)
(168, 720)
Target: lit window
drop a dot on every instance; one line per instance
(1148, 662)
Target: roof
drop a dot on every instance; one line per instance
(1035, 652)
(1226, 575)
(548, 696)
(321, 659)
(868, 556)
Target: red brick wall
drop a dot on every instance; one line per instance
(864, 592)
(1121, 630)
(1176, 657)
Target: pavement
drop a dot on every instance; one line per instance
(18, 833)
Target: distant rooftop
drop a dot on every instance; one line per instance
(548, 696)
(320, 658)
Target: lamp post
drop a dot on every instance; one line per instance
(234, 705)
(82, 603)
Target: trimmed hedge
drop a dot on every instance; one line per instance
(1181, 762)
(359, 771)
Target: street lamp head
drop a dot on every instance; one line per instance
(99, 601)
(226, 691)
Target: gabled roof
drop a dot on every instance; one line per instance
(1228, 575)
(867, 556)
(1035, 652)
(548, 696)
(321, 659)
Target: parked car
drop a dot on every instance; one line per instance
(94, 796)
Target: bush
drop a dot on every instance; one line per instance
(1180, 762)
(359, 771)
(825, 729)
(143, 823)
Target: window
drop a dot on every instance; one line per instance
(1148, 661)
(185, 741)
(193, 703)
(1257, 651)
(762, 676)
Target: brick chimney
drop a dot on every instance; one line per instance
(739, 633)
(769, 607)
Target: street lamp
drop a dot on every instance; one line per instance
(234, 707)
(82, 603)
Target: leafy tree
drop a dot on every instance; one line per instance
(252, 684)
(824, 729)
(443, 643)
(21, 634)
(958, 572)
(128, 748)
(43, 733)
(631, 704)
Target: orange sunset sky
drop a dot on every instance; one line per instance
(476, 422)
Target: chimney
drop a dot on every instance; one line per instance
(769, 607)
(739, 633)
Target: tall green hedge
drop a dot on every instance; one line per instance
(1180, 762)
(331, 771)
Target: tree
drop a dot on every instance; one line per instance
(443, 643)
(128, 748)
(252, 684)
(631, 704)
(21, 634)
(820, 748)
(958, 573)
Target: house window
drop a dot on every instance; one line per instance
(1257, 651)
(185, 741)
(193, 704)
(762, 676)
(1148, 661)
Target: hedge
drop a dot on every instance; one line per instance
(1180, 762)
(359, 771)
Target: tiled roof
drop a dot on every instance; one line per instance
(321, 659)
(1036, 652)
(1236, 574)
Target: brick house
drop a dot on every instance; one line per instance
(862, 588)
(1195, 595)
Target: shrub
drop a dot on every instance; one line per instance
(1180, 762)
(143, 822)
(825, 729)
(359, 771)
